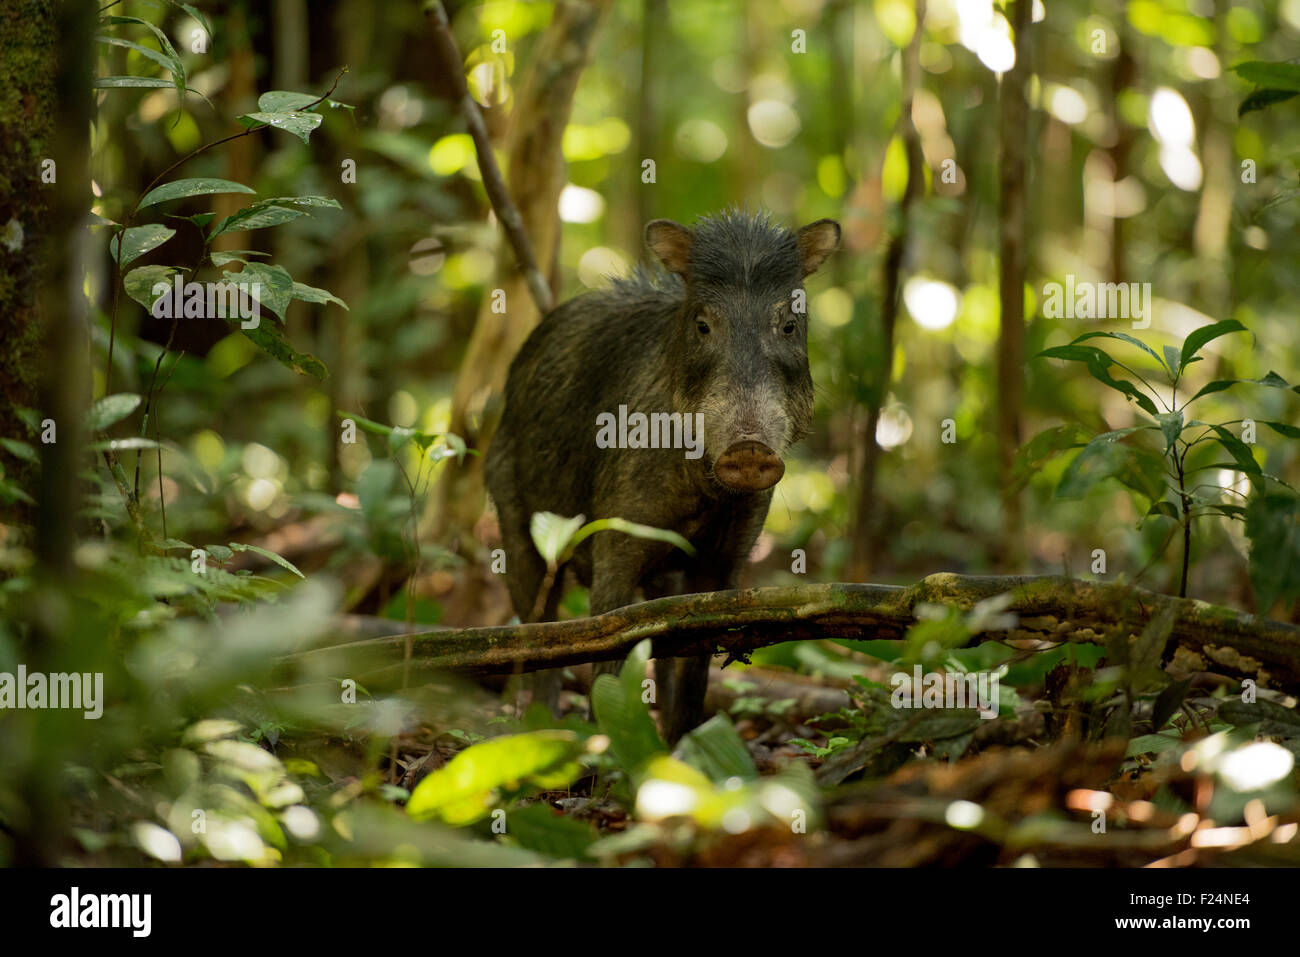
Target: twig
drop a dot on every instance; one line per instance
(493, 182)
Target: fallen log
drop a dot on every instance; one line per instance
(1204, 637)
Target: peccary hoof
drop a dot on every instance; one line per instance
(749, 467)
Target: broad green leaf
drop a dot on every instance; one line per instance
(257, 216)
(111, 409)
(718, 750)
(269, 555)
(623, 717)
(1103, 458)
(1273, 527)
(139, 240)
(464, 790)
(552, 533)
(1171, 426)
(269, 337)
(300, 125)
(139, 283)
(1280, 76)
(539, 828)
(201, 186)
(282, 101)
(1199, 337)
(307, 293)
(275, 290)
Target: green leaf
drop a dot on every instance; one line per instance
(1132, 340)
(1275, 381)
(539, 828)
(1273, 527)
(20, 450)
(269, 337)
(1281, 76)
(552, 533)
(201, 186)
(139, 240)
(1098, 364)
(1218, 385)
(1171, 426)
(139, 283)
(234, 256)
(717, 749)
(623, 717)
(1281, 428)
(1274, 719)
(276, 285)
(135, 443)
(173, 59)
(1168, 509)
(129, 82)
(1048, 443)
(464, 789)
(1152, 744)
(312, 294)
(300, 125)
(282, 101)
(154, 55)
(635, 529)
(1263, 98)
(269, 555)
(1104, 457)
(1238, 449)
(257, 216)
(1172, 360)
(111, 409)
(1199, 337)
(306, 202)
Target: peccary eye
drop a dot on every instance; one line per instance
(789, 327)
(703, 326)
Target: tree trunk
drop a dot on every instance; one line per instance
(1012, 169)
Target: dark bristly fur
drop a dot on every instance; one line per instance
(640, 343)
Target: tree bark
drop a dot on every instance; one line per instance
(1049, 608)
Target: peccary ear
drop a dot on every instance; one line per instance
(816, 242)
(671, 242)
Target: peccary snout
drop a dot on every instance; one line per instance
(749, 467)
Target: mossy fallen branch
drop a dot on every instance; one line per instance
(1204, 637)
